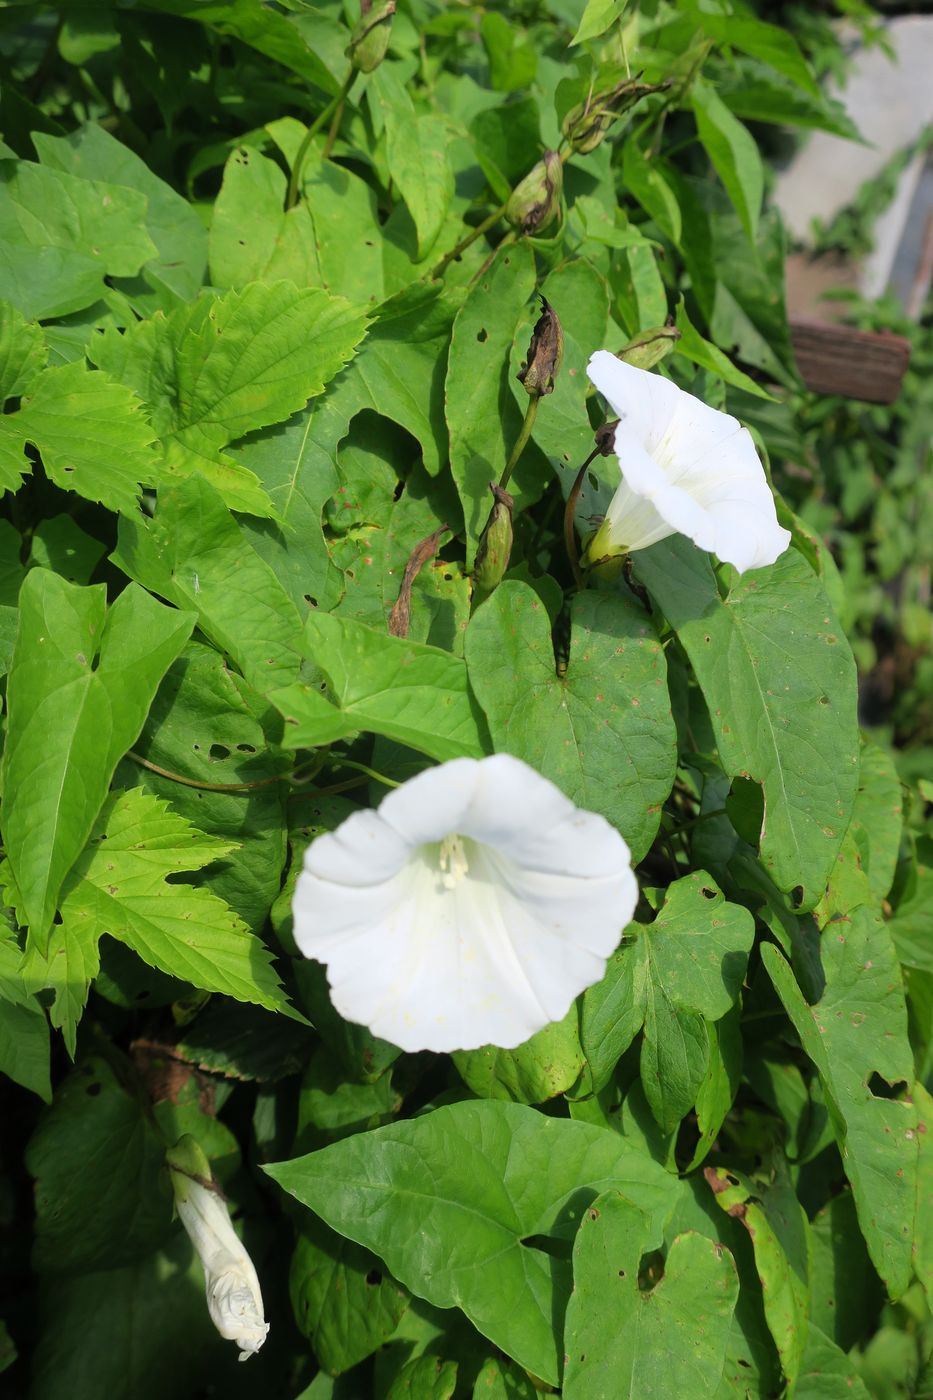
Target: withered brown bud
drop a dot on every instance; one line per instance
(605, 437)
(370, 39)
(495, 545)
(585, 125)
(545, 353)
(535, 201)
(649, 347)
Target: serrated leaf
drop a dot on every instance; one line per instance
(223, 366)
(60, 236)
(91, 434)
(481, 413)
(733, 152)
(608, 713)
(118, 1207)
(856, 1030)
(416, 151)
(779, 681)
(23, 353)
(343, 1302)
(415, 694)
(82, 679)
(195, 554)
(120, 887)
(620, 1338)
(447, 1197)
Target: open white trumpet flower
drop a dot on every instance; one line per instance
(469, 909)
(686, 469)
(234, 1300)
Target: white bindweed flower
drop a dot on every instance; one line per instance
(686, 469)
(234, 1300)
(469, 909)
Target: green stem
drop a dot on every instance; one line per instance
(362, 768)
(338, 114)
(465, 243)
(570, 535)
(207, 787)
(520, 441)
(294, 179)
(510, 237)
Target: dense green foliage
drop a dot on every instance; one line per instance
(262, 316)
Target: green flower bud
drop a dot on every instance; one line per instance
(495, 545)
(370, 39)
(545, 353)
(535, 201)
(585, 125)
(649, 347)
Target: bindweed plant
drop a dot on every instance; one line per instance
(452, 919)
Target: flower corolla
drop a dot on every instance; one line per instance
(469, 909)
(686, 469)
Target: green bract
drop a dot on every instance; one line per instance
(301, 472)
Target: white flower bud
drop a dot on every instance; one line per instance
(234, 1300)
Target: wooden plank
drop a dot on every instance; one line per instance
(835, 359)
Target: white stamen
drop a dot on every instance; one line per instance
(452, 861)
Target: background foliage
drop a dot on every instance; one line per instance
(244, 372)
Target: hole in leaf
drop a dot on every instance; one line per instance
(707, 893)
(219, 751)
(482, 335)
(397, 493)
(312, 602)
(245, 748)
(650, 1270)
(879, 1088)
(374, 1278)
(93, 1090)
(797, 895)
